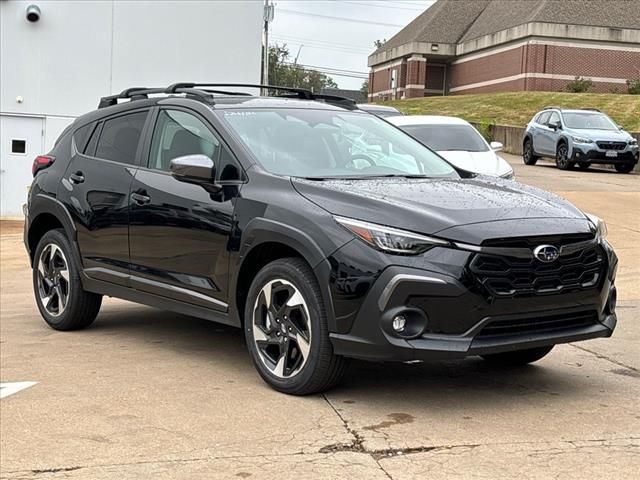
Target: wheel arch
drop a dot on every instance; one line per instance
(45, 214)
(265, 241)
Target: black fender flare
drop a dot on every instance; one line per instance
(260, 231)
(45, 204)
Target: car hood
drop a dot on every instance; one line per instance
(430, 206)
(597, 134)
(486, 163)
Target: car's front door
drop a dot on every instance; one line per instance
(539, 131)
(179, 232)
(95, 190)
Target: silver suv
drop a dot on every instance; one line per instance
(579, 137)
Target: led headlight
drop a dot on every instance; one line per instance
(509, 175)
(581, 139)
(390, 239)
(601, 227)
(633, 142)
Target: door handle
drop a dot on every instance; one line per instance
(140, 199)
(77, 177)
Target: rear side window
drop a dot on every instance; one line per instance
(81, 136)
(120, 137)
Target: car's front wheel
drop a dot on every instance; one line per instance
(528, 155)
(285, 326)
(624, 167)
(62, 301)
(518, 357)
(562, 157)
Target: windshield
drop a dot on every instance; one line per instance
(588, 120)
(448, 137)
(332, 144)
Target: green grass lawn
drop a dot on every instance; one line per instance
(517, 108)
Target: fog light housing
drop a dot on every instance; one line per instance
(399, 323)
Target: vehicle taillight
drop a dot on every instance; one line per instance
(41, 162)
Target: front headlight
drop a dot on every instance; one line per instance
(390, 239)
(601, 227)
(581, 139)
(633, 142)
(509, 175)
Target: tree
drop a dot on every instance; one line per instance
(284, 73)
(379, 43)
(365, 88)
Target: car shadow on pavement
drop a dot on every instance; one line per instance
(471, 381)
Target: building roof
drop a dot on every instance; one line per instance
(458, 21)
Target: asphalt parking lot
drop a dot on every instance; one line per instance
(149, 394)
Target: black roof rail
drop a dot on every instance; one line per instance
(296, 92)
(591, 109)
(552, 107)
(205, 91)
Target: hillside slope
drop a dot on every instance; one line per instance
(517, 108)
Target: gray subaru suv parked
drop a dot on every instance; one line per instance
(581, 137)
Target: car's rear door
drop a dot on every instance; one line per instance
(95, 190)
(179, 232)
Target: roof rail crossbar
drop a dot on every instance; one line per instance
(301, 92)
(134, 93)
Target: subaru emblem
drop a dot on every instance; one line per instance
(546, 253)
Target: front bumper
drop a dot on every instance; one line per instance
(587, 154)
(463, 321)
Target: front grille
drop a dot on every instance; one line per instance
(612, 145)
(537, 324)
(504, 276)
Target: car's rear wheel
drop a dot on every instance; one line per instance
(562, 157)
(528, 154)
(286, 330)
(624, 167)
(583, 166)
(62, 302)
(518, 357)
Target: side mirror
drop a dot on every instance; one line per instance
(193, 169)
(556, 126)
(620, 127)
(496, 146)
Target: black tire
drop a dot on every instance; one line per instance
(528, 155)
(583, 166)
(80, 308)
(518, 357)
(562, 157)
(624, 167)
(321, 369)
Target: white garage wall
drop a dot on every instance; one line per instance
(79, 51)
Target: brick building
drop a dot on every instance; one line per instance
(476, 46)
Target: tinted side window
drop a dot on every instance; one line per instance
(81, 136)
(178, 133)
(120, 137)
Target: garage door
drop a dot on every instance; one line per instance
(22, 141)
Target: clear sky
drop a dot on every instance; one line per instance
(339, 34)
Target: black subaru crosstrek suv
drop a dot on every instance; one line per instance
(323, 231)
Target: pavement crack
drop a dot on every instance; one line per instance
(356, 444)
(604, 357)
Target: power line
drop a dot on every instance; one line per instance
(342, 19)
(324, 47)
(325, 42)
(386, 5)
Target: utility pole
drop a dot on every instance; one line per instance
(268, 18)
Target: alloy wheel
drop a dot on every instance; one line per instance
(282, 328)
(562, 158)
(53, 280)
